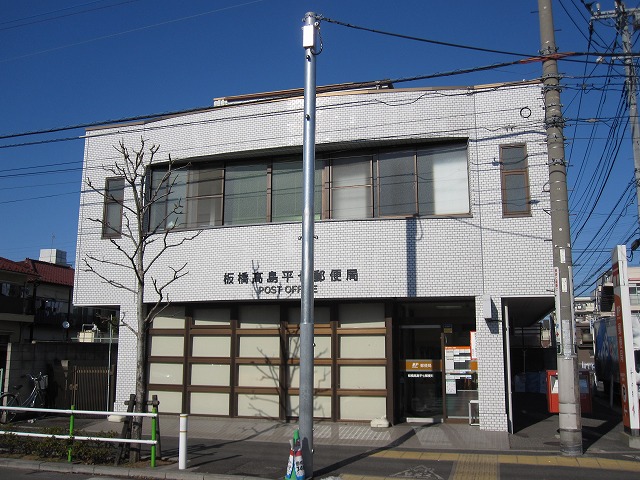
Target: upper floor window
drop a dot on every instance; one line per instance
(204, 197)
(443, 180)
(245, 195)
(168, 193)
(286, 191)
(112, 215)
(351, 187)
(425, 181)
(515, 181)
(429, 180)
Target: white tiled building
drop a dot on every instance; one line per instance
(429, 203)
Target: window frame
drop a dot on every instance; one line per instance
(194, 197)
(375, 199)
(163, 194)
(512, 172)
(110, 201)
(370, 187)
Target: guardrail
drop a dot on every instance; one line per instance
(72, 412)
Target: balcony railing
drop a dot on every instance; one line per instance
(16, 305)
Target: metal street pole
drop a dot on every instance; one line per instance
(568, 392)
(309, 36)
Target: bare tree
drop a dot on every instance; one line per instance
(139, 245)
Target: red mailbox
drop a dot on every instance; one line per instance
(584, 380)
(552, 391)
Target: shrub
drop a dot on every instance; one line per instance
(86, 451)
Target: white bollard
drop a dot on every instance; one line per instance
(182, 446)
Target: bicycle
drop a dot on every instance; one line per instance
(36, 399)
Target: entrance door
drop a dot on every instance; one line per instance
(420, 374)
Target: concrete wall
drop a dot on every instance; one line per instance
(47, 358)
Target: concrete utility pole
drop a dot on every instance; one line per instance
(309, 37)
(622, 16)
(568, 392)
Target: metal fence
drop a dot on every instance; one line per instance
(91, 388)
(153, 442)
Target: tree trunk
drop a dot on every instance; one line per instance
(141, 362)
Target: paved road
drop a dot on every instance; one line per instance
(269, 460)
(473, 467)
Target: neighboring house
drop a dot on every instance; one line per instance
(35, 301)
(16, 303)
(39, 328)
(432, 233)
(52, 292)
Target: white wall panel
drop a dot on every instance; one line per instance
(210, 346)
(250, 405)
(205, 403)
(362, 408)
(210, 375)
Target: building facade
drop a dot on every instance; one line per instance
(432, 238)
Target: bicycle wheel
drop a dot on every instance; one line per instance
(8, 400)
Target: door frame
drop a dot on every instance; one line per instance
(400, 370)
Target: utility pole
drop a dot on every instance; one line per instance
(309, 38)
(622, 16)
(568, 392)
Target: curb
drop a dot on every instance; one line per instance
(155, 473)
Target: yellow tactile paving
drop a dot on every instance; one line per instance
(507, 459)
(476, 467)
(449, 457)
(567, 461)
(488, 459)
(548, 460)
(588, 463)
(412, 455)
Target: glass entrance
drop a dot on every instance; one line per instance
(420, 373)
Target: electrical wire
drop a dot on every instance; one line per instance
(35, 19)
(139, 29)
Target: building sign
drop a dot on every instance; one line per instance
(422, 368)
(624, 334)
(274, 282)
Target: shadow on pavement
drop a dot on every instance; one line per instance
(394, 444)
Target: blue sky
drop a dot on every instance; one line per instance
(74, 62)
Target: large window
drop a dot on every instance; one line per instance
(245, 195)
(396, 183)
(112, 216)
(515, 181)
(424, 181)
(167, 195)
(204, 197)
(443, 180)
(351, 187)
(286, 191)
(401, 182)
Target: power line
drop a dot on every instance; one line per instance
(284, 95)
(146, 27)
(424, 40)
(37, 18)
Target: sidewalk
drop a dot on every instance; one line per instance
(241, 442)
